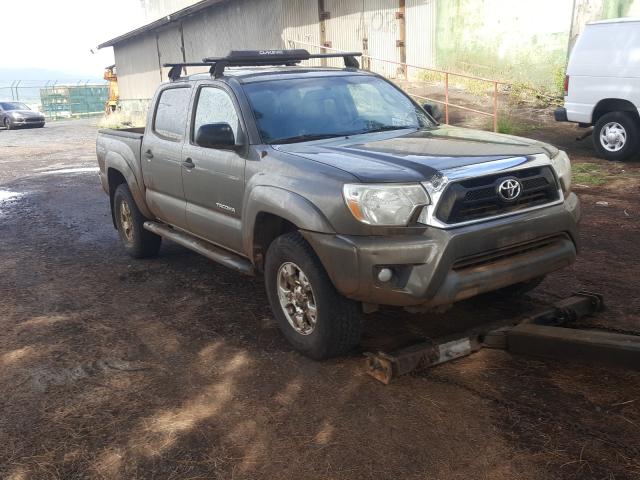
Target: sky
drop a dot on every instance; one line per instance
(60, 34)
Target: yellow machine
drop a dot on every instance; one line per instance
(111, 77)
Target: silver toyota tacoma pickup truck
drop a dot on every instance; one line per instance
(339, 189)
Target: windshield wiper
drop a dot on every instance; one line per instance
(319, 136)
(305, 138)
(387, 128)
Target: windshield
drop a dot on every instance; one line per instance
(13, 106)
(303, 109)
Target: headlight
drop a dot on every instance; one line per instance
(562, 165)
(384, 204)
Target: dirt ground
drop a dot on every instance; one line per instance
(172, 368)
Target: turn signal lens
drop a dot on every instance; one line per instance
(562, 165)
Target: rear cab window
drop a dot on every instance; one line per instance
(172, 109)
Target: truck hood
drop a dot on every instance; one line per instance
(409, 155)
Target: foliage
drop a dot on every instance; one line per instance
(508, 123)
(118, 120)
(589, 174)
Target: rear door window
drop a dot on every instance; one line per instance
(171, 113)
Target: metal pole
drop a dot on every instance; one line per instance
(495, 106)
(323, 29)
(45, 108)
(446, 98)
(18, 93)
(53, 89)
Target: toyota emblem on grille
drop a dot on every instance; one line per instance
(509, 189)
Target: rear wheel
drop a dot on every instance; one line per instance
(138, 242)
(318, 321)
(616, 136)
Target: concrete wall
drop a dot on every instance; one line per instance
(517, 41)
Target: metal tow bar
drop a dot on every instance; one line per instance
(550, 332)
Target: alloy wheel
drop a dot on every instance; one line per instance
(297, 298)
(126, 221)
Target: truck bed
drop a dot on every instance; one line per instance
(133, 132)
(122, 145)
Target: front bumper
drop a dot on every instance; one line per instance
(27, 122)
(440, 267)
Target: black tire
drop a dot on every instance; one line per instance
(629, 124)
(138, 242)
(339, 321)
(517, 289)
(7, 124)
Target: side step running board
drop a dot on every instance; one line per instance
(213, 252)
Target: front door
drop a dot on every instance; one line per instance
(214, 178)
(162, 156)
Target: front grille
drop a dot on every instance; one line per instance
(498, 254)
(478, 198)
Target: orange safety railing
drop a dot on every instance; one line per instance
(446, 103)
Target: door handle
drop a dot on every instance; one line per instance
(148, 153)
(188, 163)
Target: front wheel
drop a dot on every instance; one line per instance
(616, 136)
(7, 123)
(138, 242)
(318, 321)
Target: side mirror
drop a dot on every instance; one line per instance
(216, 135)
(434, 110)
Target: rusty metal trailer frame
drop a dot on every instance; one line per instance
(550, 332)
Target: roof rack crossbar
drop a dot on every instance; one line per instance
(254, 58)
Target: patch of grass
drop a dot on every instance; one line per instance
(510, 124)
(589, 174)
(538, 97)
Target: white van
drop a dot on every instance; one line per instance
(602, 86)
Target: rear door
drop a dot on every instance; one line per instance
(214, 178)
(161, 155)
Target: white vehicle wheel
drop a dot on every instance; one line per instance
(616, 136)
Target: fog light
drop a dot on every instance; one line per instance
(385, 274)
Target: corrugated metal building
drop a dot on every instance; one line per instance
(397, 30)
(511, 40)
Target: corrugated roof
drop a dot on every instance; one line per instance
(173, 17)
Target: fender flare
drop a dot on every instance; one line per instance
(117, 162)
(285, 204)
